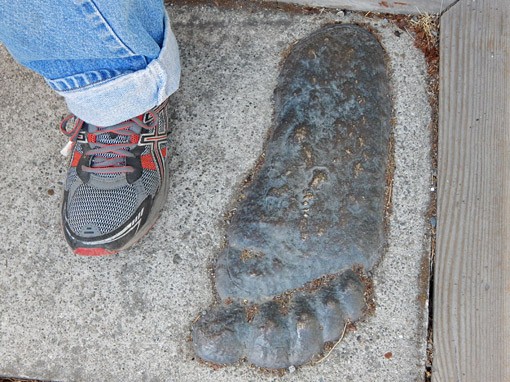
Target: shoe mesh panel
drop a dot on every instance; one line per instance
(150, 181)
(105, 209)
(72, 175)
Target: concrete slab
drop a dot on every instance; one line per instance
(128, 317)
(384, 6)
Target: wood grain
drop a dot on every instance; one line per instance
(472, 279)
(383, 6)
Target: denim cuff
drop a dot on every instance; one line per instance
(125, 96)
(81, 80)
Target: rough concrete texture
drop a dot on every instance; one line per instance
(128, 317)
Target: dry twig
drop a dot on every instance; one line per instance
(347, 323)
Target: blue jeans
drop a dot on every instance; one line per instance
(110, 60)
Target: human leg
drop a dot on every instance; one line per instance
(111, 61)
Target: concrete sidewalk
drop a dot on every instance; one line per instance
(128, 317)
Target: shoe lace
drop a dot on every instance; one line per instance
(107, 157)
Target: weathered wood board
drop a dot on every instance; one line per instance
(382, 6)
(472, 278)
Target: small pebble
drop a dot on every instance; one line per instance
(292, 369)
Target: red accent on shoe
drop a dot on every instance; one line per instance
(76, 159)
(148, 162)
(91, 138)
(94, 252)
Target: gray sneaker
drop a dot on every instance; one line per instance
(117, 181)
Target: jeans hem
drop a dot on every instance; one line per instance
(127, 95)
(82, 81)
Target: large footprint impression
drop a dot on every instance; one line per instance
(312, 220)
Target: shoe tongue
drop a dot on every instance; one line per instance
(109, 138)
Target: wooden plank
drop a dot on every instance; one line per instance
(383, 6)
(472, 278)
